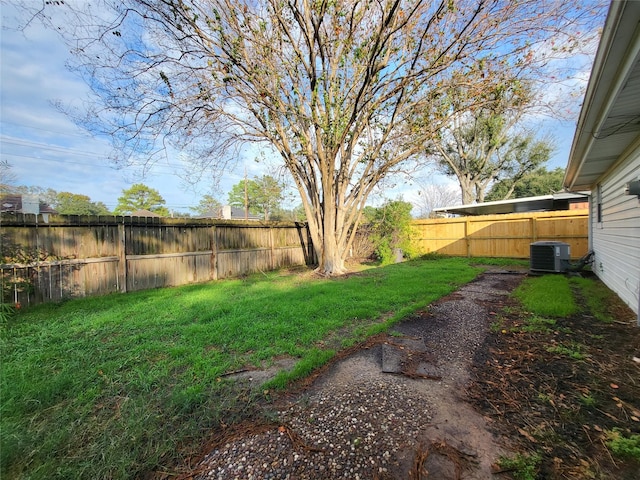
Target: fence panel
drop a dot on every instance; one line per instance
(71, 256)
(59, 280)
(166, 270)
(502, 235)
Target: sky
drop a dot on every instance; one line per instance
(46, 149)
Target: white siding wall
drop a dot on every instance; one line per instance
(616, 240)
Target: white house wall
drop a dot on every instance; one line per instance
(616, 240)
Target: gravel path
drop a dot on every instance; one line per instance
(394, 410)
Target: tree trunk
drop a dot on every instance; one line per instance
(466, 189)
(331, 253)
(332, 261)
(321, 222)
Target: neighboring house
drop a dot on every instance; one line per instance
(24, 204)
(543, 203)
(605, 155)
(144, 213)
(228, 212)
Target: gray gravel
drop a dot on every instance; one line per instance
(357, 422)
(354, 433)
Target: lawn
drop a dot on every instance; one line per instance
(121, 385)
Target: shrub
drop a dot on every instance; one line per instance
(391, 229)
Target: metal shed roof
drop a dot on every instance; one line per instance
(557, 201)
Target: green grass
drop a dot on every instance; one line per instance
(7, 311)
(547, 296)
(597, 297)
(501, 262)
(573, 350)
(552, 296)
(535, 324)
(521, 466)
(115, 386)
(587, 400)
(623, 446)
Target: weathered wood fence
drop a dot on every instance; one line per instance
(75, 256)
(502, 235)
(70, 256)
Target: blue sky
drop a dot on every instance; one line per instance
(46, 149)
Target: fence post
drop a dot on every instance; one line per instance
(534, 229)
(213, 272)
(467, 222)
(271, 246)
(122, 258)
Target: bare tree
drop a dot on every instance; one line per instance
(7, 177)
(333, 86)
(434, 195)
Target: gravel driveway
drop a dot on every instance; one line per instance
(394, 409)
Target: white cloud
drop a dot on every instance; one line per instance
(44, 147)
(32, 75)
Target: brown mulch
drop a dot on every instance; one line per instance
(558, 406)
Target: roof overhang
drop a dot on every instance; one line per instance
(557, 201)
(609, 121)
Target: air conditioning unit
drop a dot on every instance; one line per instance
(550, 257)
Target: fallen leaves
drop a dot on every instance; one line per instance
(527, 435)
(556, 404)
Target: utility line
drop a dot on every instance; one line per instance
(168, 170)
(47, 146)
(71, 151)
(153, 171)
(59, 132)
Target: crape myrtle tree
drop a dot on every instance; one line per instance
(332, 85)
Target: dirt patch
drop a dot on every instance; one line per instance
(255, 376)
(559, 388)
(444, 395)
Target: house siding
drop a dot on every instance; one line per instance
(616, 239)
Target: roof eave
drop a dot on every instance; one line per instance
(614, 60)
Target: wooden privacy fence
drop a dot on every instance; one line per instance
(502, 235)
(75, 256)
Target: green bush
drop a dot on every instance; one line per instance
(391, 229)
